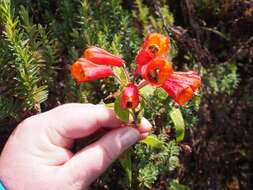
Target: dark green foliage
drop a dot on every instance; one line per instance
(40, 39)
(175, 185)
(151, 162)
(224, 79)
(23, 62)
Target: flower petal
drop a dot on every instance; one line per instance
(143, 56)
(102, 57)
(83, 71)
(181, 93)
(190, 78)
(182, 85)
(157, 71)
(155, 45)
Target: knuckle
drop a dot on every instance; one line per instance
(29, 122)
(74, 105)
(109, 154)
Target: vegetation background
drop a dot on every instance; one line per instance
(39, 39)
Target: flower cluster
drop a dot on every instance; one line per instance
(152, 65)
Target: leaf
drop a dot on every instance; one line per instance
(120, 73)
(122, 114)
(140, 111)
(161, 94)
(215, 31)
(153, 142)
(126, 163)
(109, 106)
(177, 118)
(175, 185)
(147, 91)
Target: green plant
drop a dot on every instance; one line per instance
(152, 161)
(21, 60)
(40, 39)
(130, 103)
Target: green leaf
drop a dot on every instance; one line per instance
(177, 118)
(126, 163)
(120, 73)
(122, 114)
(215, 31)
(153, 142)
(147, 91)
(140, 111)
(110, 105)
(161, 94)
(175, 185)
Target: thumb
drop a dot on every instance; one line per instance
(92, 161)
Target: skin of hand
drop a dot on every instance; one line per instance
(37, 154)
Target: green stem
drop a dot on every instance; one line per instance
(142, 84)
(117, 79)
(149, 104)
(135, 117)
(126, 73)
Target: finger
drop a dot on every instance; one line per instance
(145, 126)
(79, 120)
(143, 136)
(92, 161)
(144, 129)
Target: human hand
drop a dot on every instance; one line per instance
(37, 154)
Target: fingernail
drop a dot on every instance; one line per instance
(145, 123)
(129, 137)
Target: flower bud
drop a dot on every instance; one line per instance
(83, 71)
(102, 57)
(129, 98)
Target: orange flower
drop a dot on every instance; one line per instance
(154, 45)
(182, 85)
(129, 97)
(83, 70)
(156, 71)
(102, 57)
(157, 43)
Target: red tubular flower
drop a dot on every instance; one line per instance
(102, 57)
(181, 93)
(190, 78)
(156, 71)
(129, 97)
(143, 56)
(83, 70)
(182, 85)
(154, 45)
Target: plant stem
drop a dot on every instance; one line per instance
(142, 84)
(135, 117)
(126, 73)
(117, 78)
(149, 104)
